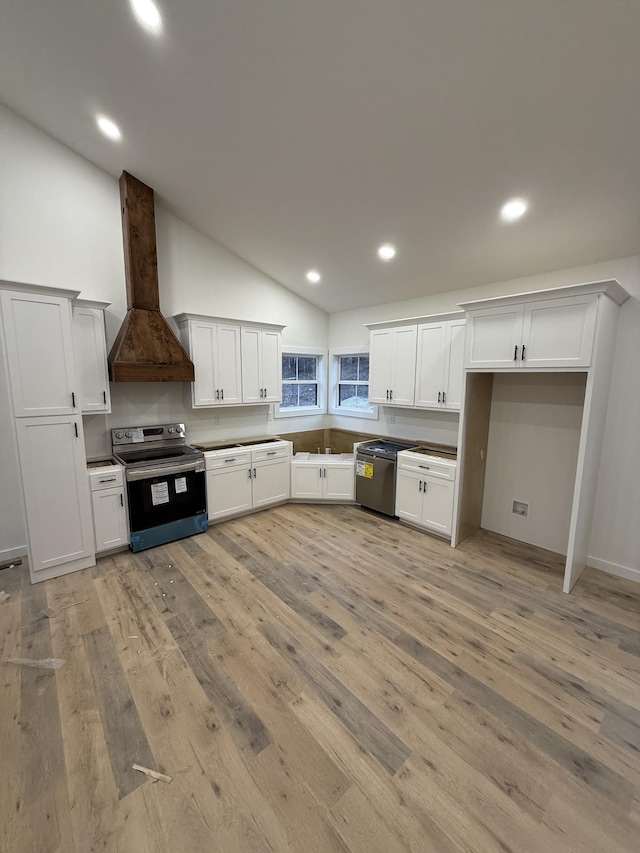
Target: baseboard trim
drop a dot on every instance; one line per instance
(614, 569)
(10, 553)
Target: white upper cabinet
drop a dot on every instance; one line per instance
(440, 364)
(392, 373)
(541, 333)
(234, 363)
(215, 351)
(40, 354)
(261, 365)
(91, 357)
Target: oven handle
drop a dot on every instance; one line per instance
(164, 470)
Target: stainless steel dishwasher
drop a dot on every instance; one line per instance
(376, 474)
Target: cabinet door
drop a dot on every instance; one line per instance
(251, 384)
(40, 354)
(430, 364)
(227, 367)
(559, 332)
(409, 496)
(454, 367)
(56, 490)
(203, 350)
(381, 365)
(339, 482)
(109, 518)
(306, 480)
(228, 491)
(91, 359)
(437, 505)
(403, 382)
(271, 482)
(493, 335)
(271, 366)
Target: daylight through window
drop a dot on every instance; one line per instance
(353, 382)
(299, 382)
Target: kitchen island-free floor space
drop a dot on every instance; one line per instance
(321, 679)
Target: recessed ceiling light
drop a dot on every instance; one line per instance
(109, 128)
(148, 15)
(313, 276)
(387, 252)
(514, 209)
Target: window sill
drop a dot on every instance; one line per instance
(298, 413)
(366, 414)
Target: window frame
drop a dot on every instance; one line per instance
(321, 408)
(334, 370)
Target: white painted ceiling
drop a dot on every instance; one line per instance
(303, 133)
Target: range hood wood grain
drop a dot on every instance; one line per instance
(146, 348)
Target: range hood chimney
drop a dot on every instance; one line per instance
(146, 349)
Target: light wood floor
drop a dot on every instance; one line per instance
(321, 679)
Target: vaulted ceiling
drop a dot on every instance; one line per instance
(303, 134)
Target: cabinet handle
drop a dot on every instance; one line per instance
(515, 353)
(391, 394)
(222, 394)
(249, 473)
(217, 394)
(254, 473)
(420, 486)
(272, 453)
(261, 390)
(320, 472)
(439, 395)
(523, 349)
(121, 500)
(75, 426)
(108, 480)
(265, 393)
(444, 397)
(424, 466)
(104, 397)
(325, 473)
(387, 393)
(73, 400)
(233, 459)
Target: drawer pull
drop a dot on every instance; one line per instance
(272, 453)
(233, 459)
(426, 467)
(108, 480)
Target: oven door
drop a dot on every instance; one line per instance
(164, 497)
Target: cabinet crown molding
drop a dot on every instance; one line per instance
(42, 289)
(610, 287)
(414, 321)
(90, 303)
(183, 318)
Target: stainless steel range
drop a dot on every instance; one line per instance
(165, 483)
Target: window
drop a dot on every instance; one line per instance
(299, 381)
(350, 384)
(353, 381)
(303, 383)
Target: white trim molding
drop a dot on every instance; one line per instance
(614, 569)
(334, 354)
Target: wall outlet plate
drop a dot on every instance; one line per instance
(390, 419)
(520, 508)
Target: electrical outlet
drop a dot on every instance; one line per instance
(270, 413)
(390, 419)
(520, 508)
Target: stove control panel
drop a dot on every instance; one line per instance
(137, 435)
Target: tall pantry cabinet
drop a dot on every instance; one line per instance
(45, 397)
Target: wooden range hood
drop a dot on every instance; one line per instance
(146, 348)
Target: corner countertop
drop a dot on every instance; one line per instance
(223, 444)
(324, 457)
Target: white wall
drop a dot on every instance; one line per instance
(60, 226)
(534, 434)
(615, 539)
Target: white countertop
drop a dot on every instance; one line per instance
(324, 457)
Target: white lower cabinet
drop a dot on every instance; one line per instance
(424, 491)
(245, 478)
(321, 478)
(56, 495)
(108, 501)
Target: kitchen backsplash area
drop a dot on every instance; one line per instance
(138, 404)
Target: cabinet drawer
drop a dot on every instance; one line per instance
(261, 453)
(426, 465)
(228, 458)
(109, 477)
